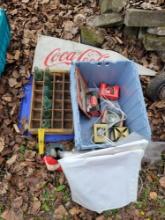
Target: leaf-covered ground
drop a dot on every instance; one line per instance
(27, 189)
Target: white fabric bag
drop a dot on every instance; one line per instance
(105, 179)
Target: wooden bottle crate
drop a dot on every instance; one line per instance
(60, 112)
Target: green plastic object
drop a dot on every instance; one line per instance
(48, 91)
(47, 114)
(48, 78)
(5, 36)
(47, 103)
(46, 123)
(38, 74)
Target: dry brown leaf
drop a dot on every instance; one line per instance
(3, 187)
(12, 82)
(12, 160)
(14, 12)
(60, 212)
(35, 206)
(160, 104)
(17, 203)
(25, 1)
(2, 144)
(45, 1)
(7, 98)
(10, 215)
(74, 211)
(17, 54)
(68, 25)
(153, 195)
(16, 128)
(162, 182)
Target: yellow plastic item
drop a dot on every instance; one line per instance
(41, 140)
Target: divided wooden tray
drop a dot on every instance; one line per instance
(60, 113)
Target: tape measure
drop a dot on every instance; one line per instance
(41, 140)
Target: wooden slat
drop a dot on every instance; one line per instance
(54, 80)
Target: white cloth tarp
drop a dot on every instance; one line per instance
(105, 179)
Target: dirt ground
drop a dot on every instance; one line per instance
(27, 190)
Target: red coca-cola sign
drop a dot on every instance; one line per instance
(65, 57)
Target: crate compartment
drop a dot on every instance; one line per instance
(67, 124)
(66, 86)
(37, 104)
(47, 114)
(57, 124)
(58, 104)
(36, 114)
(67, 77)
(68, 114)
(38, 85)
(37, 95)
(122, 73)
(58, 95)
(67, 104)
(35, 123)
(66, 95)
(59, 86)
(57, 114)
(58, 77)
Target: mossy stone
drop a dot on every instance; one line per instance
(91, 36)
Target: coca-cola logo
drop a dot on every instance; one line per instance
(58, 56)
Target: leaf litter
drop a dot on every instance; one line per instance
(24, 178)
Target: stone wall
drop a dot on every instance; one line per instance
(146, 25)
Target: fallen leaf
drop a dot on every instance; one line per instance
(7, 98)
(45, 1)
(12, 160)
(2, 144)
(12, 82)
(35, 206)
(3, 187)
(16, 128)
(74, 211)
(10, 215)
(162, 182)
(14, 12)
(25, 1)
(17, 54)
(153, 195)
(17, 203)
(68, 25)
(60, 212)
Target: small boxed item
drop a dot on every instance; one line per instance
(118, 84)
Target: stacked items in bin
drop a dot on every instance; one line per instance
(102, 103)
(121, 73)
(51, 104)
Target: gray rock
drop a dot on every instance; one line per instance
(144, 18)
(105, 20)
(154, 42)
(142, 33)
(162, 55)
(91, 36)
(112, 5)
(157, 30)
(131, 32)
